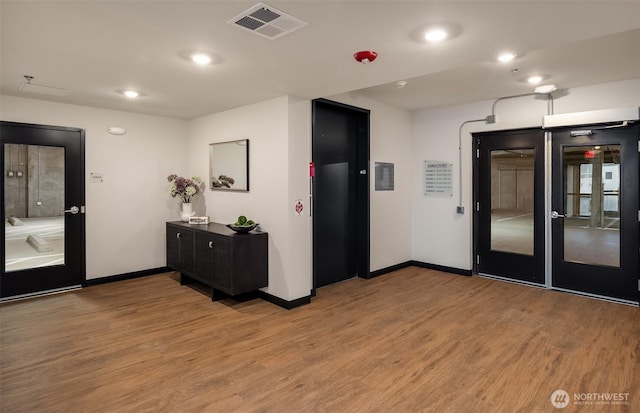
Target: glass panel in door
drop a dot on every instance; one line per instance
(592, 204)
(512, 194)
(34, 196)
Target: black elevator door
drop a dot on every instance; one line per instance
(340, 193)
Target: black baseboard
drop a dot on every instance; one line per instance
(272, 298)
(284, 303)
(420, 264)
(442, 268)
(127, 276)
(387, 270)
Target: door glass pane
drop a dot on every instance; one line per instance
(592, 204)
(34, 206)
(512, 201)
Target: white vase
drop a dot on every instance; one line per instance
(187, 211)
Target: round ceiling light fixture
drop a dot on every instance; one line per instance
(131, 94)
(435, 35)
(201, 59)
(534, 79)
(365, 56)
(506, 57)
(544, 89)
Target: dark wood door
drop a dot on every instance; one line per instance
(595, 229)
(43, 180)
(509, 195)
(222, 262)
(186, 239)
(180, 248)
(340, 192)
(173, 247)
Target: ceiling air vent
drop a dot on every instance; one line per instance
(267, 21)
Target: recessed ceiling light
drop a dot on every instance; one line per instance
(201, 58)
(506, 57)
(435, 35)
(534, 79)
(131, 93)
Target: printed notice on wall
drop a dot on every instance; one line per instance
(438, 178)
(96, 178)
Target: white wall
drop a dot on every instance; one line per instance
(277, 159)
(126, 214)
(390, 221)
(442, 237)
(298, 262)
(280, 151)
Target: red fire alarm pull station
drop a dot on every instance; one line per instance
(312, 169)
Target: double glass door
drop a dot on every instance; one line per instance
(587, 240)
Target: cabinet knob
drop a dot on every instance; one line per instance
(178, 235)
(210, 244)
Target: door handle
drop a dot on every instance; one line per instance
(554, 215)
(74, 210)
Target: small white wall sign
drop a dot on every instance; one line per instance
(96, 177)
(438, 179)
(298, 206)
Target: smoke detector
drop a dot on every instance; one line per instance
(116, 130)
(267, 22)
(365, 56)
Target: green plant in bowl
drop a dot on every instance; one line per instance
(243, 224)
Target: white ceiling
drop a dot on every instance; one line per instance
(95, 48)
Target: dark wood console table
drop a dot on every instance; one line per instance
(218, 257)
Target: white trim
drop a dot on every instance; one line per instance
(548, 186)
(591, 117)
(40, 293)
(541, 286)
(511, 280)
(598, 297)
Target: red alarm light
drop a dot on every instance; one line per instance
(365, 56)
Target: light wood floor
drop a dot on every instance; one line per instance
(414, 340)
